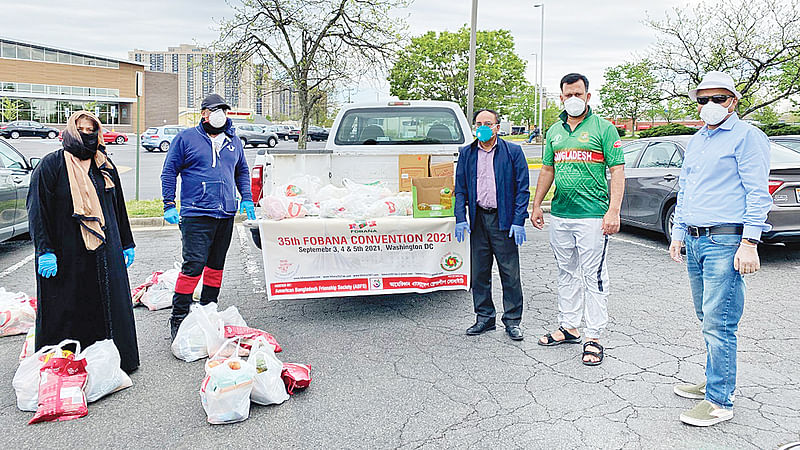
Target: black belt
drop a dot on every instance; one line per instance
(487, 210)
(716, 229)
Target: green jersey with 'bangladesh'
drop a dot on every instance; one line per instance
(579, 159)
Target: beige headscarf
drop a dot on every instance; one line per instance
(85, 203)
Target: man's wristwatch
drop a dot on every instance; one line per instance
(752, 241)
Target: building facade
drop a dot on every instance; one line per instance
(47, 83)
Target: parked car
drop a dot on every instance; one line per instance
(652, 168)
(109, 137)
(315, 133)
(294, 134)
(792, 142)
(27, 128)
(15, 178)
(281, 130)
(255, 135)
(160, 137)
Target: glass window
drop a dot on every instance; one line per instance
(631, 153)
(657, 155)
(65, 90)
(23, 87)
(8, 87)
(102, 92)
(53, 89)
(23, 52)
(63, 58)
(37, 54)
(51, 55)
(782, 155)
(171, 131)
(399, 125)
(38, 88)
(8, 50)
(677, 160)
(78, 91)
(101, 63)
(10, 159)
(113, 64)
(76, 59)
(90, 61)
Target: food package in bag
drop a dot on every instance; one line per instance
(17, 312)
(225, 392)
(138, 291)
(61, 395)
(273, 207)
(26, 378)
(268, 386)
(190, 341)
(296, 376)
(105, 375)
(250, 335)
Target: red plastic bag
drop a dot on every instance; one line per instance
(61, 394)
(249, 335)
(296, 376)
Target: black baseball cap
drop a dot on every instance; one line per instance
(214, 101)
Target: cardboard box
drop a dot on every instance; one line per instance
(445, 169)
(412, 166)
(428, 191)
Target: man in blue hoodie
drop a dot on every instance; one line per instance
(210, 161)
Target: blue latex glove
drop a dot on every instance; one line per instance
(48, 265)
(249, 208)
(128, 253)
(518, 232)
(461, 227)
(171, 216)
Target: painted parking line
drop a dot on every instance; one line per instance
(640, 244)
(16, 266)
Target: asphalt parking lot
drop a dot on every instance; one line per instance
(398, 371)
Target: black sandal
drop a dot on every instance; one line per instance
(598, 355)
(569, 338)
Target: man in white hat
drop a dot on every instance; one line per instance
(721, 212)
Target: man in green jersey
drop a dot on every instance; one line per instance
(584, 212)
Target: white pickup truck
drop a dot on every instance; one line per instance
(364, 144)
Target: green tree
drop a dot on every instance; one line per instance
(766, 115)
(523, 107)
(757, 42)
(312, 44)
(435, 66)
(630, 91)
(9, 108)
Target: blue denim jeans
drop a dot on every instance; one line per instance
(718, 294)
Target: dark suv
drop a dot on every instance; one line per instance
(25, 128)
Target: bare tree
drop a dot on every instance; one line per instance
(756, 41)
(312, 45)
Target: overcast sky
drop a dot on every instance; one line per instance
(580, 35)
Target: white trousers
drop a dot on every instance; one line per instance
(580, 247)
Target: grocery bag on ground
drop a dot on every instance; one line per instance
(26, 378)
(138, 291)
(17, 312)
(29, 346)
(190, 341)
(225, 392)
(61, 395)
(215, 331)
(296, 376)
(268, 386)
(249, 336)
(159, 295)
(102, 365)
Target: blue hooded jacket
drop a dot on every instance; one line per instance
(511, 183)
(208, 180)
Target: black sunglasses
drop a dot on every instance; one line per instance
(718, 99)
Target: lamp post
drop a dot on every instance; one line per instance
(540, 94)
(471, 76)
(536, 85)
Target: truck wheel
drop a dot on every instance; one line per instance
(256, 237)
(272, 142)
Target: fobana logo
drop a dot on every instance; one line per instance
(451, 262)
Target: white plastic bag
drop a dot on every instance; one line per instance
(225, 392)
(215, 329)
(17, 312)
(190, 341)
(26, 378)
(105, 375)
(268, 386)
(159, 295)
(29, 344)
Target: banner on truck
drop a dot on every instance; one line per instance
(313, 258)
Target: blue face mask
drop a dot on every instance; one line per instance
(484, 133)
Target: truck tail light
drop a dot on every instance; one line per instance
(774, 185)
(256, 182)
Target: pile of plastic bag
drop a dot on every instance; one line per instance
(58, 384)
(17, 312)
(306, 196)
(158, 288)
(242, 367)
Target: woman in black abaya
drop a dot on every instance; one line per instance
(83, 240)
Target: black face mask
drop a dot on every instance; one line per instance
(212, 130)
(84, 149)
(89, 141)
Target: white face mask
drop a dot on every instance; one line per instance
(575, 106)
(713, 113)
(217, 118)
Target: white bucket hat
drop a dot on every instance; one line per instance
(715, 80)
